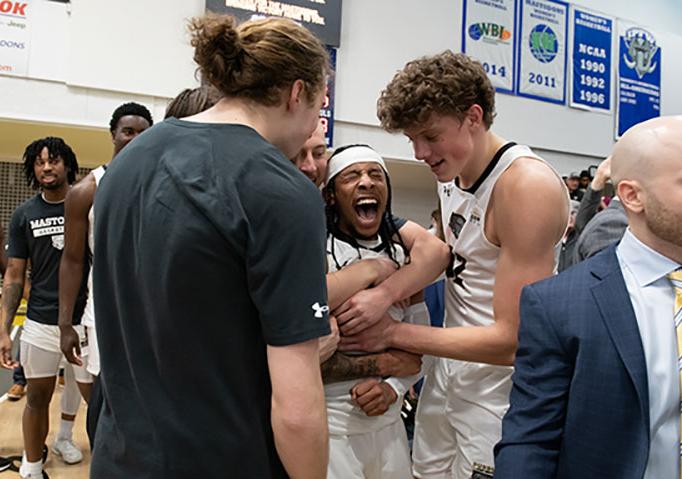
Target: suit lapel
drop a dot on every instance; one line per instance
(613, 301)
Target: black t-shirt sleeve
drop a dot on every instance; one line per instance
(398, 221)
(17, 243)
(285, 257)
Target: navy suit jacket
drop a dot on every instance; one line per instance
(580, 402)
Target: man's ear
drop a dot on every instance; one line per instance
(632, 195)
(473, 116)
(296, 95)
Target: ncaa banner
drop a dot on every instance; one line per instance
(14, 37)
(639, 77)
(488, 36)
(591, 65)
(542, 50)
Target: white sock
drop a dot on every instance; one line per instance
(65, 430)
(30, 469)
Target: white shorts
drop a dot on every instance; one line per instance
(41, 356)
(459, 418)
(93, 350)
(375, 455)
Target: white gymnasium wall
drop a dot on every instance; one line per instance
(100, 54)
(131, 46)
(378, 37)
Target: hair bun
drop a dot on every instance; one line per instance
(218, 49)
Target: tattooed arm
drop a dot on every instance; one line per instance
(393, 362)
(3, 257)
(12, 290)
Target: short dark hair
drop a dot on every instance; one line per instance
(55, 147)
(126, 109)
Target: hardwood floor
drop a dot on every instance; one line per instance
(11, 438)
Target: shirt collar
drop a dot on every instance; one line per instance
(646, 264)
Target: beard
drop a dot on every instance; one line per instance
(664, 222)
(52, 186)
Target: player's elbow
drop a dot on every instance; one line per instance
(510, 352)
(300, 418)
(506, 350)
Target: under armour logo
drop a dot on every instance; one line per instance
(320, 310)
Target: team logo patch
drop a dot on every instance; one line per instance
(320, 310)
(58, 242)
(641, 47)
(456, 223)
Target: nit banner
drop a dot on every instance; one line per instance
(488, 36)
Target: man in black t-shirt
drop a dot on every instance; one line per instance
(223, 268)
(36, 234)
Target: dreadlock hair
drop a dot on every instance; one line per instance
(387, 228)
(56, 147)
(126, 109)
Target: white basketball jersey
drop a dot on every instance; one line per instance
(342, 415)
(89, 313)
(470, 281)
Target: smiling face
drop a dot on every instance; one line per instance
(50, 172)
(311, 160)
(444, 143)
(360, 195)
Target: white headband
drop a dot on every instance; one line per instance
(351, 156)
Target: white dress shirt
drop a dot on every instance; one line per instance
(652, 297)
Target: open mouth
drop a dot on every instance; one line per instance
(367, 209)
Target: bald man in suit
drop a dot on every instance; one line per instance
(597, 388)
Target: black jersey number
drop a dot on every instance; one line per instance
(456, 268)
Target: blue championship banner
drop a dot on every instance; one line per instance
(542, 50)
(327, 110)
(639, 77)
(591, 65)
(488, 36)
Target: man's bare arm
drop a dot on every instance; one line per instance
(355, 277)
(429, 256)
(76, 208)
(12, 291)
(3, 256)
(71, 267)
(526, 231)
(343, 367)
(299, 414)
